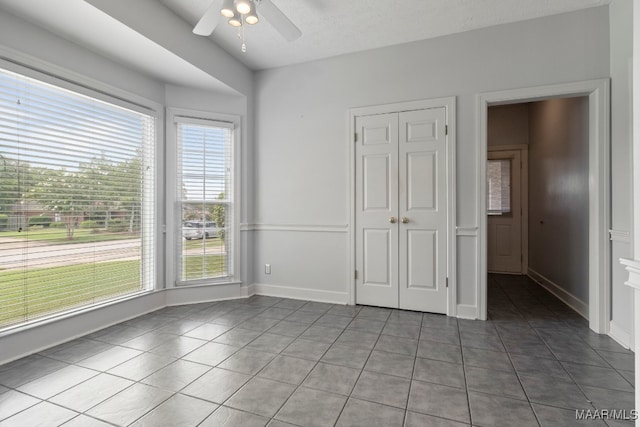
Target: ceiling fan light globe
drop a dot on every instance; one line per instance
(243, 6)
(235, 22)
(227, 9)
(251, 19)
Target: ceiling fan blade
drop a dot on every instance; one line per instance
(209, 20)
(279, 20)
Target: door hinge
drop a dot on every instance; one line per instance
(446, 129)
(355, 276)
(447, 282)
(355, 137)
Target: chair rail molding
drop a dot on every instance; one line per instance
(471, 231)
(620, 236)
(633, 267)
(305, 228)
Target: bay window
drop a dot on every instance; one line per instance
(77, 206)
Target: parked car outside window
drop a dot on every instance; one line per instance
(199, 229)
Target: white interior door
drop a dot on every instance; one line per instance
(423, 210)
(504, 210)
(377, 210)
(401, 210)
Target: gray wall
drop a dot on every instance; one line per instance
(508, 124)
(302, 146)
(559, 193)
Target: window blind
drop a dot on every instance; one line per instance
(499, 186)
(76, 200)
(205, 200)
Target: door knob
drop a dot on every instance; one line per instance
(393, 220)
(405, 220)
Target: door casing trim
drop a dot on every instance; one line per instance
(598, 92)
(449, 104)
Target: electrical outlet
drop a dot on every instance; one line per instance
(267, 269)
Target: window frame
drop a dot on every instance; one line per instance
(65, 79)
(173, 217)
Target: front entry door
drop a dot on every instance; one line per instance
(504, 210)
(401, 210)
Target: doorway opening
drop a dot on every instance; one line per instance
(562, 209)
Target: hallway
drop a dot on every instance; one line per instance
(560, 362)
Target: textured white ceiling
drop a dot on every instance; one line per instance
(335, 27)
(329, 28)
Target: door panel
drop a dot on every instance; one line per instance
(376, 252)
(422, 183)
(422, 259)
(503, 240)
(504, 229)
(376, 202)
(376, 180)
(422, 270)
(421, 130)
(377, 133)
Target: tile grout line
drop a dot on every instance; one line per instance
(278, 354)
(363, 366)
(518, 374)
(413, 371)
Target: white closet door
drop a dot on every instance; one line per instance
(401, 210)
(377, 210)
(423, 210)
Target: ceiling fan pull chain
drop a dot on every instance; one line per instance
(244, 44)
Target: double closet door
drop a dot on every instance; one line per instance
(401, 210)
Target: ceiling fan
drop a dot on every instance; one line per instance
(241, 12)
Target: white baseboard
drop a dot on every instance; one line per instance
(317, 295)
(467, 311)
(621, 336)
(247, 291)
(575, 303)
(205, 293)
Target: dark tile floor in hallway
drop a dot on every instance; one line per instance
(279, 362)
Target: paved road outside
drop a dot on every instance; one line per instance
(17, 255)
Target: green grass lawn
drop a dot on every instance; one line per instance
(197, 268)
(58, 236)
(197, 244)
(25, 295)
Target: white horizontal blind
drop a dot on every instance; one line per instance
(76, 200)
(205, 200)
(499, 186)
